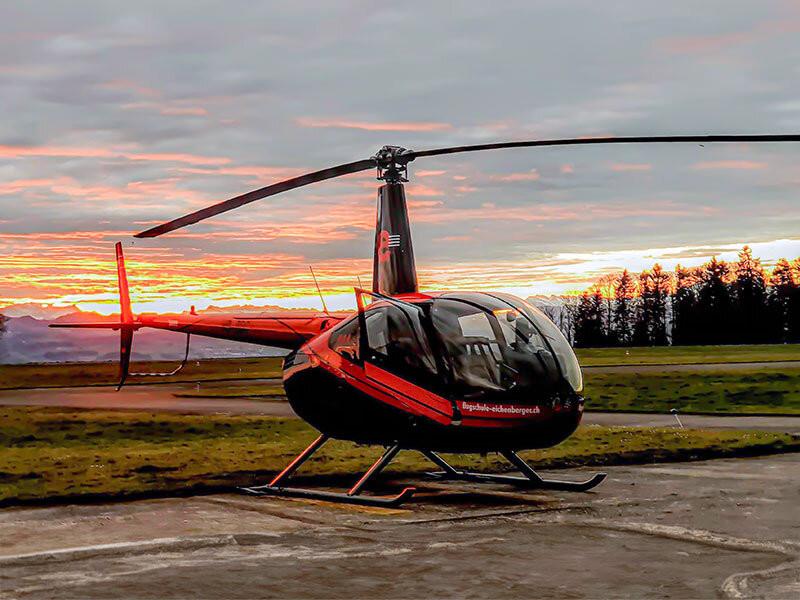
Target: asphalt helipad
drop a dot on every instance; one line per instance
(726, 528)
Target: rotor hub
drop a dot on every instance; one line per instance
(392, 164)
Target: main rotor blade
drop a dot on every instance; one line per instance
(647, 139)
(270, 190)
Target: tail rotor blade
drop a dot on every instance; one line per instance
(125, 345)
(270, 190)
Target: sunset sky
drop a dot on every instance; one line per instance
(120, 115)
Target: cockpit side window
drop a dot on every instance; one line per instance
(344, 339)
(398, 343)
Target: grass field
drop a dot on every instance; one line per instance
(48, 453)
(589, 357)
(267, 391)
(742, 391)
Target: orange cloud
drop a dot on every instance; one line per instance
(704, 44)
(746, 165)
(440, 213)
(263, 174)
(531, 175)
(156, 190)
(372, 126)
(7, 151)
(623, 167)
(172, 109)
(418, 189)
(20, 185)
(130, 86)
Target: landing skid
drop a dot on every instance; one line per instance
(531, 479)
(292, 492)
(353, 495)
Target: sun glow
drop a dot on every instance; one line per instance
(165, 281)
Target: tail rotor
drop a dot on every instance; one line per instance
(127, 325)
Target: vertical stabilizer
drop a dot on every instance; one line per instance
(125, 312)
(126, 318)
(393, 268)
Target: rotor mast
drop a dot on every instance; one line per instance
(393, 268)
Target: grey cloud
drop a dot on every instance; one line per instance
(513, 70)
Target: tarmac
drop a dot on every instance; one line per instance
(723, 528)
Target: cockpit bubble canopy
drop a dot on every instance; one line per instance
(490, 347)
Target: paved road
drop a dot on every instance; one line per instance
(788, 424)
(725, 528)
(158, 398)
(161, 398)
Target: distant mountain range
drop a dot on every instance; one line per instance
(28, 339)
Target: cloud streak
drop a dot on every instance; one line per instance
(8, 151)
(121, 118)
(372, 126)
(736, 165)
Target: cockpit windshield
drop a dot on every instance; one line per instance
(495, 353)
(570, 368)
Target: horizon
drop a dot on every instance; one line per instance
(340, 302)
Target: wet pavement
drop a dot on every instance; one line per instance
(724, 528)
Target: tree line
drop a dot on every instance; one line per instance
(716, 303)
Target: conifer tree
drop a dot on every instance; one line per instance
(750, 297)
(714, 304)
(642, 317)
(782, 296)
(684, 306)
(589, 320)
(607, 285)
(624, 297)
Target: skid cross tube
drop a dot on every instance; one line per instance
(353, 496)
(376, 468)
(530, 480)
(299, 460)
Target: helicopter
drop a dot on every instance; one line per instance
(428, 371)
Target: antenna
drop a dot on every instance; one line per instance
(319, 291)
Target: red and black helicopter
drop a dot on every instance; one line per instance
(459, 372)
